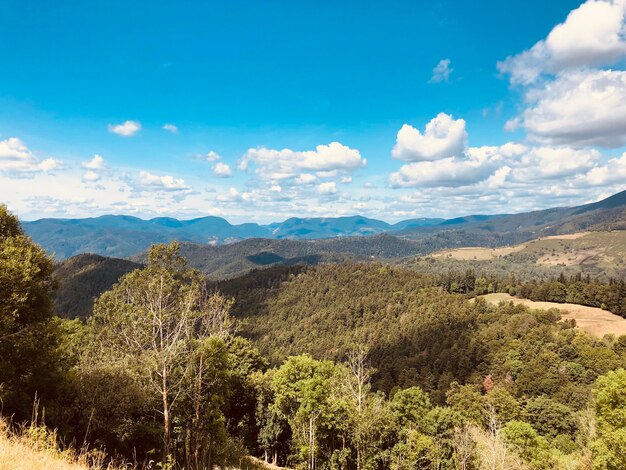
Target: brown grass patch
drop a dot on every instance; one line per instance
(593, 320)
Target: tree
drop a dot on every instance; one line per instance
(356, 383)
(155, 319)
(411, 406)
(530, 446)
(415, 451)
(27, 337)
(302, 390)
(610, 406)
(549, 417)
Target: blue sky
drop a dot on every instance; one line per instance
(255, 94)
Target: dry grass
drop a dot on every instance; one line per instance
(18, 454)
(35, 448)
(478, 253)
(594, 320)
(600, 249)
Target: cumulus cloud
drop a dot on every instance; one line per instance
(91, 176)
(95, 169)
(96, 163)
(568, 102)
(330, 187)
(149, 181)
(586, 107)
(232, 195)
(306, 179)
(443, 137)
(450, 171)
(222, 170)
(17, 159)
(593, 34)
(476, 164)
(614, 171)
(212, 156)
(499, 177)
(326, 161)
(554, 162)
(126, 129)
(170, 128)
(441, 72)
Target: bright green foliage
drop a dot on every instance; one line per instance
(157, 374)
(411, 405)
(161, 323)
(610, 401)
(505, 405)
(550, 418)
(302, 392)
(415, 451)
(27, 338)
(530, 446)
(468, 402)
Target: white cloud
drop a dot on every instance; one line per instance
(441, 72)
(498, 179)
(568, 102)
(91, 176)
(614, 171)
(150, 181)
(95, 168)
(475, 165)
(330, 187)
(212, 156)
(17, 159)
(126, 129)
(586, 107)
(593, 34)
(276, 189)
(232, 195)
(96, 163)
(325, 160)
(451, 171)
(306, 179)
(443, 137)
(170, 128)
(222, 170)
(554, 162)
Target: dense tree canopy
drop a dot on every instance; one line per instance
(348, 366)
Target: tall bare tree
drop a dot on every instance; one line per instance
(154, 318)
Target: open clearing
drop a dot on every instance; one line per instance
(478, 253)
(600, 249)
(483, 254)
(594, 320)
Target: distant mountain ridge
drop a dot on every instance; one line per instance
(122, 236)
(125, 236)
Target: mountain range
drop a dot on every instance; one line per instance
(125, 236)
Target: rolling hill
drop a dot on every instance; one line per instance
(124, 236)
(601, 215)
(83, 278)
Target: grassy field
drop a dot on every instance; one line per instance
(18, 454)
(478, 253)
(602, 250)
(595, 321)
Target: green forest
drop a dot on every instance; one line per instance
(335, 366)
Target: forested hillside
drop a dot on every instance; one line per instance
(334, 366)
(81, 279)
